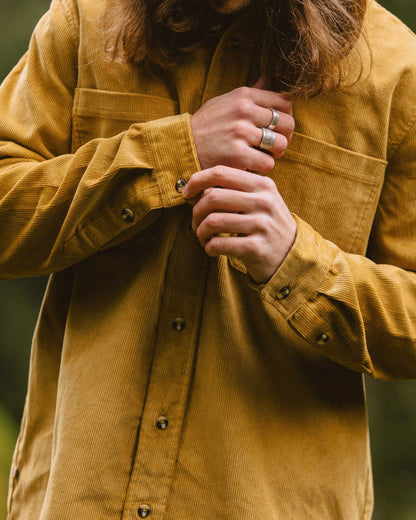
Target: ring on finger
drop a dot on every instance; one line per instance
(275, 119)
(268, 138)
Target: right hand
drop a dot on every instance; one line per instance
(227, 129)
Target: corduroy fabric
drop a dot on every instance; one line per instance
(264, 396)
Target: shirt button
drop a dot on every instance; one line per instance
(127, 215)
(178, 324)
(162, 423)
(283, 293)
(15, 472)
(322, 339)
(180, 185)
(144, 511)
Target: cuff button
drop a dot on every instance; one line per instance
(322, 339)
(180, 185)
(283, 293)
(127, 215)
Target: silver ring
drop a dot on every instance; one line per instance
(268, 139)
(275, 119)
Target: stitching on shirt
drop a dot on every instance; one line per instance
(76, 43)
(396, 144)
(355, 243)
(71, 22)
(341, 170)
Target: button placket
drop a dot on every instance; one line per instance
(170, 376)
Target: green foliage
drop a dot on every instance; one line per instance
(392, 406)
(404, 9)
(18, 18)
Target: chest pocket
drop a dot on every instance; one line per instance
(100, 113)
(334, 189)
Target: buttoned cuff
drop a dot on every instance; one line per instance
(174, 155)
(301, 273)
(297, 292)
(148, 163)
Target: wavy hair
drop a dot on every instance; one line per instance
(303, 42)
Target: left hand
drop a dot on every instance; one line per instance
(248, 206)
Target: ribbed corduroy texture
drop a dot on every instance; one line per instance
(264, 396)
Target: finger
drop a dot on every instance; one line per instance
(258, 161)
(223, 200)
(224, 176)
(193, 200)
(267, 98)
(279, 146)
(262, 117)
(232, 223)
(244, 97)
(235, 246)
(285, 124)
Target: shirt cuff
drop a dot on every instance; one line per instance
(174, 154)
(301, 273)
(295, 292)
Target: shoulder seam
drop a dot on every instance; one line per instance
(69, 15)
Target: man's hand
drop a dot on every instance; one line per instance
(247, 206)
(228, 129)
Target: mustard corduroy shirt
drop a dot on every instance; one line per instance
(164, 383)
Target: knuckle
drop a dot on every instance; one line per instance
(213, 221)
(267, 164)
(240, 129)
(268, 203)
(263, 225)
(212, 196)
(268, 184)
(253, 246)
(243, 108)
(242, 92)
(238, 149)
(213, 247)
(219, 172)
(280, 146)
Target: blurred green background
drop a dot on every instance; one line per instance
(392, 406)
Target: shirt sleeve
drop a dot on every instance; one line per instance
(359, 311)
(58, 207)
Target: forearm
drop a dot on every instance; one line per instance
(358, 313)
(58, 211)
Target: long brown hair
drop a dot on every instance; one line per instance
(303, 42)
